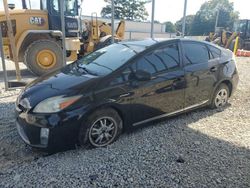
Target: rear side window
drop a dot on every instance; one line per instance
(195, 53)
(216, 53)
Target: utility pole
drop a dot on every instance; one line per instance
(184, 19)
(152, 19)
(63, 30)
(217, 19)
(3, 61)
(12, 39)
(112, 21)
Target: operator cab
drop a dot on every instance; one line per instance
(243, 27)
(70, 12)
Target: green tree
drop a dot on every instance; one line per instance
(169, 27)
(189, 21)
(205, 18)
(126, 9)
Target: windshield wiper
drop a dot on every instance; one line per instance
(87, 71)
(102, 66)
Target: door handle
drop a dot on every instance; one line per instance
(175, 83)
(213, 69)
(126, 94)
(178, 82)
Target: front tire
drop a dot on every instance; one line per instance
(102, 128)
(43, 56)
(220, 97)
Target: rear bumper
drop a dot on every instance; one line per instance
(235, 81)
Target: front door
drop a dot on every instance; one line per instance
(70, 12)
(164, 93)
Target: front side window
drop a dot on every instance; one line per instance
(123, 77)
(145, 65)
(169, 56)
(162, 59)
(195, 53)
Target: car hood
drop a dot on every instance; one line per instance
(66, 82)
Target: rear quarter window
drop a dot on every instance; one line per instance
(216, 53)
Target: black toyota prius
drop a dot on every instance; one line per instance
(93, 100)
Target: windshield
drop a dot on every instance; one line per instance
(71, 7)
(240, 26)
(105, 60)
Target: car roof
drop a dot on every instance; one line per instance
(140, 45)
(149, 41)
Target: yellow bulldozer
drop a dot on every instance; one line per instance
(38, 36)
(227, 38)
(97, 34)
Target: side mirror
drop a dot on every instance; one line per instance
(11, 6)
(142, 75)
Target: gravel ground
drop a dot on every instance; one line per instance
(205, 148)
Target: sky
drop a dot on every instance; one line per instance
(169, 10)
(165, 10)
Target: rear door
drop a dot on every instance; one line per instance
(201, 72)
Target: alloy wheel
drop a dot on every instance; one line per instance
(221, 98)
(103, 131)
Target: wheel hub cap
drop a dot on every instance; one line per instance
(46, 59)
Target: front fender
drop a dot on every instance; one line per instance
(25, 35)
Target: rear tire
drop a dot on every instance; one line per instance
(101, 128)
(220, 97)
(43, 56)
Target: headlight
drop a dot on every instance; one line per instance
(55, 104)
(19, 96)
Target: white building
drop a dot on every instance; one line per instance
(138, 30)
